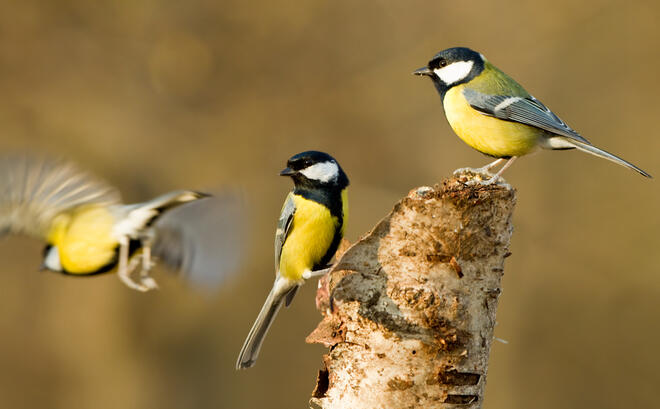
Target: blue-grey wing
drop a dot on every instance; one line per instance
(283, 227)
(528, 111)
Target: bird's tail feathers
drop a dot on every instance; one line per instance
(250, 351)
(145, 214)
(585, 147)
(172, 199)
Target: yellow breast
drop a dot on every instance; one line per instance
(312, 232)
(84, 239)
(489, 135)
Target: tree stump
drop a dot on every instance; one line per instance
(409, 310)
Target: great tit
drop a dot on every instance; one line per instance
(87, 229)
(493, 114)
(309, 230)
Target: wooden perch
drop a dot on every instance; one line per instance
(409, 310)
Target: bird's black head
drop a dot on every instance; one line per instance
(452, 67)
(313, 169)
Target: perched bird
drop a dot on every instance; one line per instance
(493, 114)
(309, 230)
(86, 227)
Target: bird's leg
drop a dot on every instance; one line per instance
(124, 269)
(485, 170)
(132, 264)
(145, 280)
(318, 273)
(498, 174)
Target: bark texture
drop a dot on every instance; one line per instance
(409, 310)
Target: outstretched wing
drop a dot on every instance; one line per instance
(34, 190)
(204, 240)
(528, 111)
(283, 227)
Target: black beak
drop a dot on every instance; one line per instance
(423, 71)
(287, 172)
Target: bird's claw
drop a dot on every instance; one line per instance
(479, 182)
(146, 283)
(483, 171)
(476, 178)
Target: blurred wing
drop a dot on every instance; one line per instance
(203, 240)
(528, 111)
(34, 190)
(283, 227)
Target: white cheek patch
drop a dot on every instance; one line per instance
(323, 172)
(454, 72)
(52, 260)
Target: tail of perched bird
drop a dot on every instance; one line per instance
(589, 148)
(278, 295)
(33, 190)
(203, 240)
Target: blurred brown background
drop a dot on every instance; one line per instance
(156, 95)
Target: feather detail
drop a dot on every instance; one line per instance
(33, 191)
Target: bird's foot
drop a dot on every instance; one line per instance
(475, 178)
(484, 171)
(493, 180)
(145, 284)
(483, 177)
(479, 182)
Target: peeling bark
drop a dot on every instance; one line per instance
(409, 310)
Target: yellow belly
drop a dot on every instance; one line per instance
(84, 239)
(489, 135)
(312, 232)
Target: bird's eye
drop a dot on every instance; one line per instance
(442, 63)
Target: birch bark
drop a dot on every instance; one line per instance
(409, 310)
